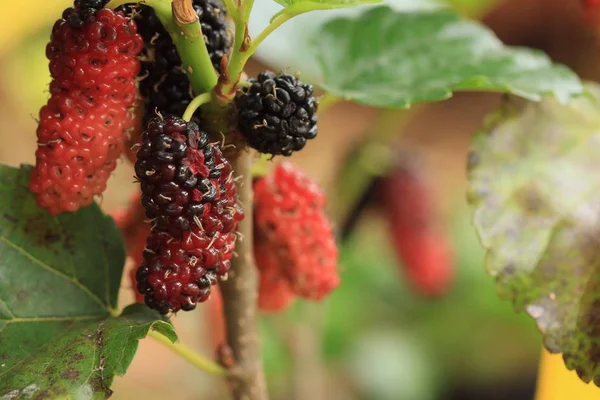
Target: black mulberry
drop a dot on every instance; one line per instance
(277, 113)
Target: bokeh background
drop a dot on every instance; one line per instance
(375, 338)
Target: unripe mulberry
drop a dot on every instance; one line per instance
(165, 85)
(274, 292)
(420, 245)
(277, 113)
(186, 182)
(294, 240)
(83, 126)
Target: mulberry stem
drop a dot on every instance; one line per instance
(186, 33)
(240, 293)
(194, 105)
(197, 360)
(180, 20)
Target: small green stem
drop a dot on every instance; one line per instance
(327, 101)
(187, 37)
(276, 23)
(260, 167)
(225, 91)
(200, 362)
(232, 9)
(195, 104)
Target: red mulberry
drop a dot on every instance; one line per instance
(292, 234)
(420, 246)
(83, 126)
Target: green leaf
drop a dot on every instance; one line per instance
(533, 175)
(59, 280)
(324, 4)
(389, 58)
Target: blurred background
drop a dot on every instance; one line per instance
(380, 336)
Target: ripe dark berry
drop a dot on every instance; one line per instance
(165, 85)
(178, 273)
(83, 126)
(277, 113)
(82, 11)
(186, 182)
(294, 241)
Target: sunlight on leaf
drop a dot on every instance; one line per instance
(533, 174)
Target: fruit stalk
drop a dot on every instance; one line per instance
(240, 294)
(187, 36)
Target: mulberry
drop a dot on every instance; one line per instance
(178, 273)
(83, 125)
(185, 180)
(420, 245)
(294, 241)
(277, 113)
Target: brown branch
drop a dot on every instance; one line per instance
(240, 293)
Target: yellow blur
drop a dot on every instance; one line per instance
(555, 382)
(22, 18)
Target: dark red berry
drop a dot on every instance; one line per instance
(176, 274)
(186, 182)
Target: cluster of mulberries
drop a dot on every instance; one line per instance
(81, 130)
(189, 193)
(277, 113)
(165, 85)
(294, 243)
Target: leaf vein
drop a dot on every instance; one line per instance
(49, 268)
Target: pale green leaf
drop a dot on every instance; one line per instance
(390, 58)
(533, 175)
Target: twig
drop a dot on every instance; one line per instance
(240, 293)
(189, 355)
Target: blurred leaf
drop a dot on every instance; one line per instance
(59, 280)
(536, 197)
(324, 4)
(21, 19)
(387, 58)
(472, 8)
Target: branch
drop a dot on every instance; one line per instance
(240, 294)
